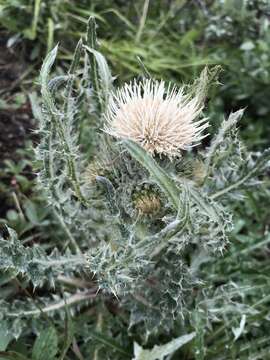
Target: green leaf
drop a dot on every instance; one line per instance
(5, 339)
(68, 335)
(46, 345)
(159, 352)
(258, 166)
(31, 33)
(247, 46)
(103, 71)
(109, 342)
(239, 330)
(201, 85)
(218, 140)
(165, 183)
(109, 193)
(100, 74)
(73, 67)
(31, 212)
(33, 262)
(44, 79)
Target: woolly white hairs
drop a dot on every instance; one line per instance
(161, 120)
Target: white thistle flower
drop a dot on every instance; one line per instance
(162, 121)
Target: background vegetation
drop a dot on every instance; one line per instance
(174, 40)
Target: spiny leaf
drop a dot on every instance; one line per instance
(44, 79)
(159, 352)
(33, 262)
(226, 126)
(201, 85)
(110, 194)
(257, 167)
(100, 74)
(103, 72)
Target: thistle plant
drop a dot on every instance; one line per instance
(140, 198)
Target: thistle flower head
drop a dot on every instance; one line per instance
(162, 120)
(147, 203)
(94, 169)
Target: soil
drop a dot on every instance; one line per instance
(16, 123)
(15, 128)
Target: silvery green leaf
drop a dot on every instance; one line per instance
(238, 331)
(103, 71)
(159, 352)
(44, 78)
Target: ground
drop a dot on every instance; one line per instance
(16, 120)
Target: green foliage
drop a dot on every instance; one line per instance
(127, 278)
(160, 352)
(176, 40)
(146, 263)
(45, 346)
(33, 262)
